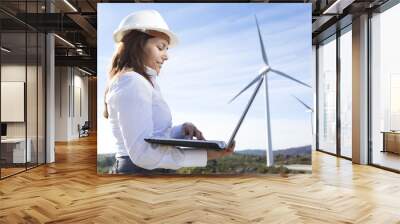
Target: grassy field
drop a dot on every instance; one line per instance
(238, 163)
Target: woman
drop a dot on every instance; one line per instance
(134, 104)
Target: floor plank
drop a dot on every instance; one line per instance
(70, 191)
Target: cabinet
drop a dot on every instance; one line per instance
(391, 141)
(13, 150)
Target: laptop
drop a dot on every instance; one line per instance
(205, 144)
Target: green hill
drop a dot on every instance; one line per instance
(241, 162)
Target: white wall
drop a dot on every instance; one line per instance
(12, 73)
(81, 83)
(71, 93)
(61, 103)
(33, 127)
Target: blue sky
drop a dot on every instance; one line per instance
(219, 54)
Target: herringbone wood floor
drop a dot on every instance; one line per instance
(69, 191)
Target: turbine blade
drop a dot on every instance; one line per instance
(290, 77)
(264, 55)
(245, 88)
(304, 104)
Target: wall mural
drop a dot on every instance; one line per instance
(204, 89)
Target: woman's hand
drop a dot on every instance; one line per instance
(190, 131)
(213, 154)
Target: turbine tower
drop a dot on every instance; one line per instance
(262, 74)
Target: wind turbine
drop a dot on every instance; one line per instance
(309, 110)
(262, 74)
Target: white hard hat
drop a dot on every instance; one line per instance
(142, 21)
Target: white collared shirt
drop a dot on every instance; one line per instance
(137, 111)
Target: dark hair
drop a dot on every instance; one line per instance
(130, 54)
